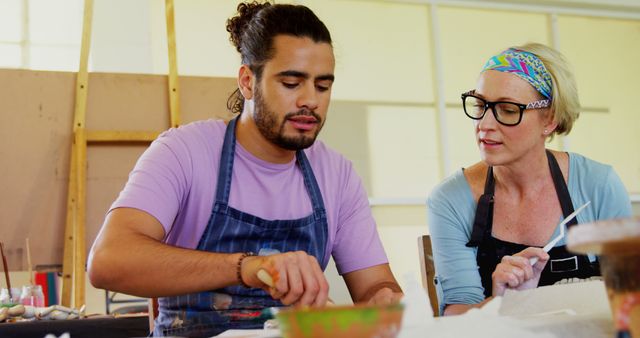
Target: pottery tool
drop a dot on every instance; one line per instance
(552, 243)
(29, 262)
(5, 266)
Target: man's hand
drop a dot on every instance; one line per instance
(373, 285)
(385, 296)
(516, 272)
(297, 278)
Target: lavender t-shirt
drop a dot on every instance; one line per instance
(175, 180)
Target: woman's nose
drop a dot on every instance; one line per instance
(488, 121)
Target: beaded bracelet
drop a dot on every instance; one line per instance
(239, 268)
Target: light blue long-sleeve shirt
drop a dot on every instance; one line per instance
(451, 210)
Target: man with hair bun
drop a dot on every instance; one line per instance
(220, 220)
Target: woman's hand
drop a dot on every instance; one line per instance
(516, 272)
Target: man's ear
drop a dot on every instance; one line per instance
(245, 82)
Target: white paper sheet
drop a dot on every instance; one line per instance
(476, 323)
(258, 333)
(582, 298)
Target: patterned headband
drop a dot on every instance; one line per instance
(525, 65)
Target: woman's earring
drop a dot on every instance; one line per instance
(546, 132)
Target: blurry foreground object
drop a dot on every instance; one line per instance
(617, 242)
(356, 321)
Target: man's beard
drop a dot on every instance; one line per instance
(267, 123)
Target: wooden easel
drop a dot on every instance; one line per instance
(74, 261)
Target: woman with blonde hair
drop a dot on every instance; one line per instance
(489, 222)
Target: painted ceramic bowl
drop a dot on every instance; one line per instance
(356, 321)
(617, 242)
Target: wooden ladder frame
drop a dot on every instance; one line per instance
(75, 254)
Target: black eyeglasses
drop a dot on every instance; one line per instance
(506, 113)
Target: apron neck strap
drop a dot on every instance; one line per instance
(226, 162)
(561, 188)
(311, 184)
(484, 212)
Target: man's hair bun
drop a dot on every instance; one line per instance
(237, 24)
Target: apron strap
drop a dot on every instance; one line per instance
(561, 188)
(483, 220)
(311, 184)
(225, 171)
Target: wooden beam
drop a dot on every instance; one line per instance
(74, 260)
(174, 88)
(80, 248)
(69, 234)
(96, 136)
(82, 80)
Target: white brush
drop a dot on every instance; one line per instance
(552, 243)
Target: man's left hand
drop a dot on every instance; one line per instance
(385, 296)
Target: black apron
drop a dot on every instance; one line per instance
(562, 263)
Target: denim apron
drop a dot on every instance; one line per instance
(229, 230)
(562, 263)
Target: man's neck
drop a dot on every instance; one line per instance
(248, 135)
